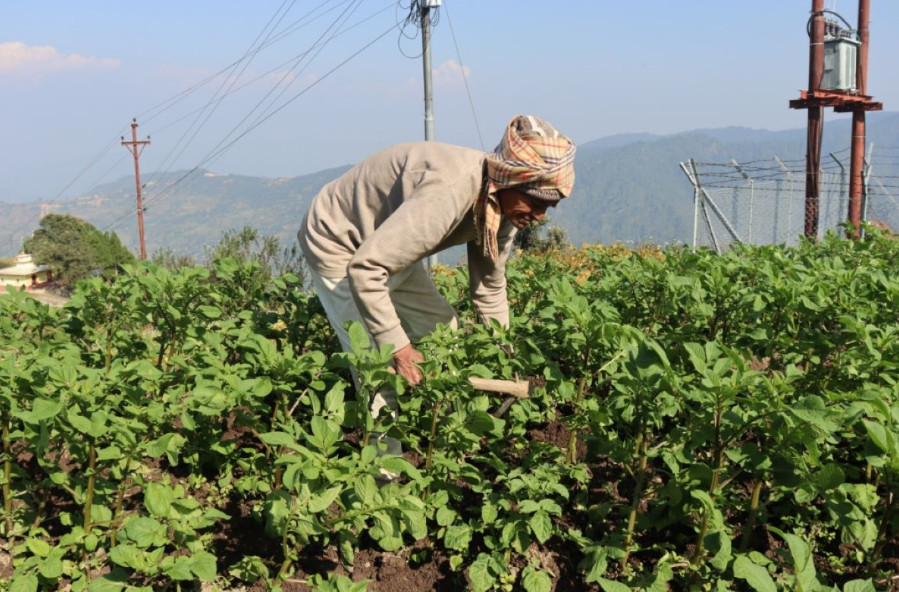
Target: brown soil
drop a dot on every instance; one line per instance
(388, 572)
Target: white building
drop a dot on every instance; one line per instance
(25, 273)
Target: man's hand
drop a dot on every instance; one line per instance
(406, 360)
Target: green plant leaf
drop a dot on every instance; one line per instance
(25, 583)
(479, 572)
(803, 562)
(595, 563)
(859, 586)
(144, 531)
(756, 576)
(359, 339)
(127, 555)
(812, 409)
(445, 516)
(210, 312)
(612, 586)
(51, 567)
(830, 477)
(535, 580)
(541, 525)
(170, 444)
(180, 569)
(44, 409)
(107, 584)
(321, 501)
(457, 537)
(202, 564)
(79, 422)
(278, 439)
(38, 547)
(719, 542)
(480, 423)
(158, 499)
(398, 464)
(324, 434)
(879, 436)
(489, 513)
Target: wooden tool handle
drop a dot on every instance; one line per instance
(520, 389)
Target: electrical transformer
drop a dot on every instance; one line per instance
(840, 54)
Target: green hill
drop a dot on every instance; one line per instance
(629, 188)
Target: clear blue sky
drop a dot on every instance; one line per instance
(74, 74)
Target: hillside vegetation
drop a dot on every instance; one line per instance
(629, 189)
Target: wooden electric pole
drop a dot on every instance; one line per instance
(815, 122)
(136, 147)
(857, 154)
(841, 94)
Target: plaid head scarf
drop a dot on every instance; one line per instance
(532, 157)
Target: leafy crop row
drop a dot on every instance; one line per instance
(698, 422)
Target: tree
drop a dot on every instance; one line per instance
(167, 258)
(74, 249)
(529, 238)
(247, 245)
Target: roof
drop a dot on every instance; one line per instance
(24, 266)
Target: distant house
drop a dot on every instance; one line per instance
(25, 274)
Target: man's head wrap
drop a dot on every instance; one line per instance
(532, 157)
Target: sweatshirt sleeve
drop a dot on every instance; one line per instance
(488, 278)
(413, 231)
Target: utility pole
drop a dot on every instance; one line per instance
(815, 121)
(136, 147)
(426, 6)
(831, 85)
(857, 154)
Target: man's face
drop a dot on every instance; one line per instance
(520, 208)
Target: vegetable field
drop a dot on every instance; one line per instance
(697, 422)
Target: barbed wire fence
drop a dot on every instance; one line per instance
(763, 201)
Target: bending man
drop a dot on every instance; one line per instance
(366, 233)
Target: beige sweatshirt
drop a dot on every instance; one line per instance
(394, 209)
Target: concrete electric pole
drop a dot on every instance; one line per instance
(426, 6)
(136, 147)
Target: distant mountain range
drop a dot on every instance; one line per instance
(629, 189)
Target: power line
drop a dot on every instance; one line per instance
(474, 114)
(224, 144)
(268, 36)
(221, 149)
(230, 80)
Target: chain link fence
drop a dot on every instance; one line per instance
(763, 201)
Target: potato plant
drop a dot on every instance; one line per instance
(697, 422)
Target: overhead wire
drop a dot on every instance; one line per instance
(412, 21)
(272, 37)
(103, 151)
(207, 111)
(34, 219)
(217, 149)
(153, 112)
(474, 114)
(222, 146)
(290, 77)
(169, 104)
(267, 73)
(148, 115)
